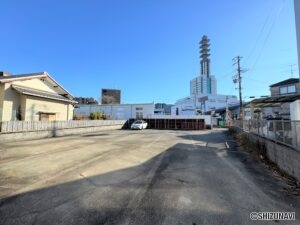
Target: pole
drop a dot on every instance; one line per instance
(226, 116)
(240, 86)
(238, 79)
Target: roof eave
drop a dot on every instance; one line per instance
(57, 84)
(8, 80)
(48, 97)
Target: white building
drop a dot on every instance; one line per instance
(203, 89)
(297, 18)
(198, 104)
(117, 111)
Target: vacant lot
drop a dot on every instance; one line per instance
(136, 177)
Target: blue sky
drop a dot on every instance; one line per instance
(148, 49)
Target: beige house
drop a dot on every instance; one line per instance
(34, 97)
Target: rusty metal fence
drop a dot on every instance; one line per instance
(286, 132)
(172, 124)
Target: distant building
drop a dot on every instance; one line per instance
(297, 18)
(287, 87)
(110, 96)
(162, 109)
(278, 105)
(116, 111)
(203, 89)
(86, 101)
(205, 83)
(197, 105)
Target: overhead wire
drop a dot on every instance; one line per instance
(266, 29)
(268, 17)
(268, 33)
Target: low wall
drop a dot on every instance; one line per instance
(30, 135)
(24, 126)
(285, 157)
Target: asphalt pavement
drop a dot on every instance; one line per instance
(138, 177)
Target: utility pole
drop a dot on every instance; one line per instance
(238, 79)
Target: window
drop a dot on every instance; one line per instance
(139, 115)
(287, 89)
(138, 108)
(291, 89)
(283, 90)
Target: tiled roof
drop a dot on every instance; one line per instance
(21, 76)
(286, 82)
(39, 75)
(274, 101)
(42, 94)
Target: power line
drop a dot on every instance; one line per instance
(260, 34)
(268, 34)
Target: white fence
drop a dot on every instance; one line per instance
(23, 126)
(286, 132)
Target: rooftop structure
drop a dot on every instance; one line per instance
(204, 55)
(205, 83)
(110, 96)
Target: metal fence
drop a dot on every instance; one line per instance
(172, 124)
(22, 126)
(282, 131)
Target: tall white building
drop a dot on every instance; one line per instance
(203, 89)
(297, 18)
(205, 83)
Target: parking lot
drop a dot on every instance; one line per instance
(28, 165)
(136, 177)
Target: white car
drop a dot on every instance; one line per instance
(139, 124)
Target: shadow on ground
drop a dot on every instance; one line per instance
(177, 186)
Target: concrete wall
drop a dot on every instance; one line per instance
(295, 110)
(117, 112)
(295, 115)
(11, 102)
(70, 112)
(34, 105)
(19, 136)
(286, 158)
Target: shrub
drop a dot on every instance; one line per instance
(96, 116)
